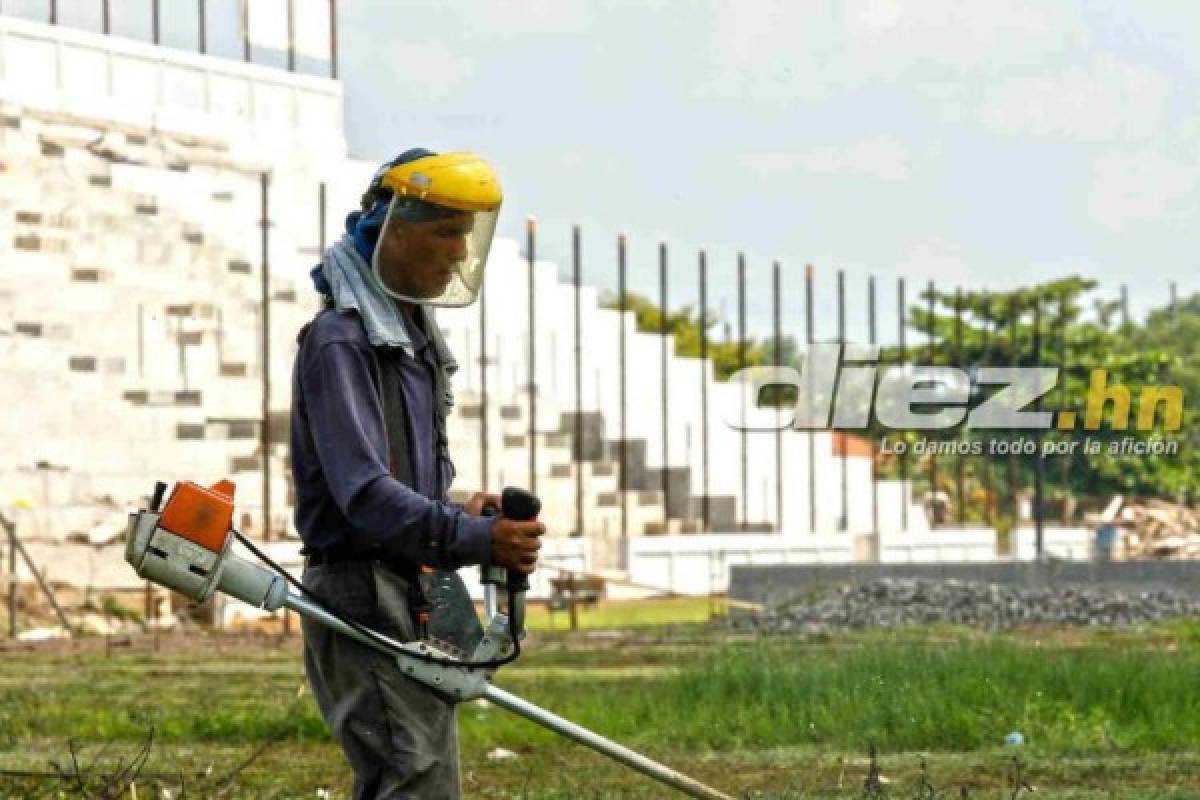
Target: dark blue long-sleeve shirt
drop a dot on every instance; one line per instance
(345, 493)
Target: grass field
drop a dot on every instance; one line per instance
(1105, 714)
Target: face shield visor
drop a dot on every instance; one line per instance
(434, 242)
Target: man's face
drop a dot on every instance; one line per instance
(419, 259)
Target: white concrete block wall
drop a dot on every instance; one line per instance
(940, 545)
(699, 564)
(1072, 544)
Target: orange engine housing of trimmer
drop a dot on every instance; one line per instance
(202, 515)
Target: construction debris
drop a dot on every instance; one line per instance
(1158, 529)
(1153, 528)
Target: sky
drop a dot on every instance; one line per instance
(976, 143)
(982, 144)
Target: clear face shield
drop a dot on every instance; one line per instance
(436, 261)
(434, 242)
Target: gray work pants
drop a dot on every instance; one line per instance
(398, 735)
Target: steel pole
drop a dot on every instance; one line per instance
(202, 28)
(844, 521)
(741, 350)
(17, 547)
(264, 186)
(960, 459)
(777, 325)
(665, 334)
(1039, 463)
(577, 264)
(483, 390)
(622, 445)
(291, 31)
(933, 464)
(333, 53)
(530, 246)
(808, 370)
(246, 30)
(704, 367)
(871, 340)
(900, 312)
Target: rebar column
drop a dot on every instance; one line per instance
(530, 248)
(704, 368)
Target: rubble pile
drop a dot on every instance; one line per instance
(1158, 529)
(892, 602)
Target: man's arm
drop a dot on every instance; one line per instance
(346, 421)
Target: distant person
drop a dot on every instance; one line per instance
(370, 396)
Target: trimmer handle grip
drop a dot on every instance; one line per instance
(520, 505)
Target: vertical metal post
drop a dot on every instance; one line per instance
(1174, 298)
(333, 52)
(960, 459)
(1124, 305)
(1039, 463)
(872, 341)
(577, 264)
(985, 357)
(844, 520)
(741, 351)
(291, 28)
(105, 17)
(1064, 398)
(202, 27)
(483, 390)
(530, 247)
(665, 334)
(809, 434)
(155, 25)
(704, 367)
(901, 311)
(1014, 360)
(53, 12)
(264, 186)
(246, 29)
(622, 444)
(777, 325)
(933, 466)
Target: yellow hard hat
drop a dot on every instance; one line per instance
(462, 181)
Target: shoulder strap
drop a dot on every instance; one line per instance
(395, 417)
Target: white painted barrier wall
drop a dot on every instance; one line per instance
(699, 564)
(936, 546)
(1071, 544)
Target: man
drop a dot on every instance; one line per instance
(370, 395)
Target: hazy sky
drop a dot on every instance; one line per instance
(978, 143)
(982, 143)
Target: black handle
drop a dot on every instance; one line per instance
(519, 504)
(160, 489)
(522, 505)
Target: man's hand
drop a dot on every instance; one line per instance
(475, 505)
(515, 544)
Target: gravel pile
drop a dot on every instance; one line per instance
(890, 602)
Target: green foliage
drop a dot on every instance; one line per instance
(1077, 333)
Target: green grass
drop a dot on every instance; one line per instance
(1105, 713)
